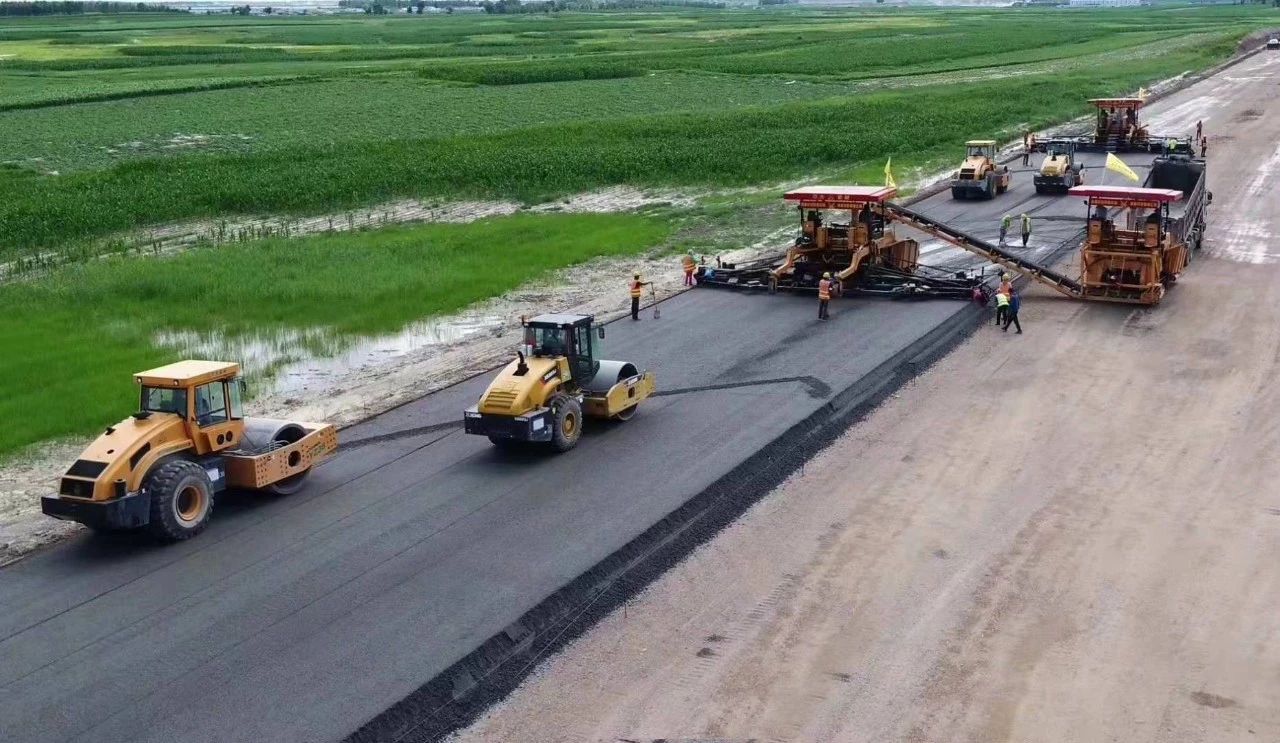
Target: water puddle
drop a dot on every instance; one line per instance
(290, 361)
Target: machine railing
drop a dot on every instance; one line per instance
(993, 253)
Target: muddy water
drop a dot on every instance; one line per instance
(289, 362)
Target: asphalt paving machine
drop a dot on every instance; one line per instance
(861, 253)
(979, 176)
(161, 468)
(1139, 240)
(556, 379)
(1059, 171)
(1117, 129)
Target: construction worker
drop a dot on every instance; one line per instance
(824, 295)
(1199, 130)
(1002, 307)
(1004, 227)
(1006, 289)
(1204, 147)
(637, 290)
(689, 268)
(1026, 229)
(1011, 313)
(1027, 143)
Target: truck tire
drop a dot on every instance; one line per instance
(566, 417)
(181, 496)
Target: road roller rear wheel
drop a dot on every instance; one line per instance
(625, 415)
(566, 419)
(181, 500)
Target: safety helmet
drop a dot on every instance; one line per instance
(826, 275)
(637, 276)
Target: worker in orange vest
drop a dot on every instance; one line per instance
(824, 296)
(637, 289)
(689, 268)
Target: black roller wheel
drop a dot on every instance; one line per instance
(566, 417)
(628, 413)
(181, 500)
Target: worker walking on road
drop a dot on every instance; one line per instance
(1026, 229)
(689, 268)
(637, 290)
(1004, 228)
(1011, 314)
(1199, 130)
(824, 296)
(1002, 307)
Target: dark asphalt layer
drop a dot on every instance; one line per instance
(300, 618)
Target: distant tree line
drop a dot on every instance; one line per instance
(79, 8)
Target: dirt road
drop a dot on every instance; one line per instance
(1069, 535)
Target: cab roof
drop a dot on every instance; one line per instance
(187, 373)
(1126, 196)
(840, 197)
(1118, 102)
(980, 143)
(558, 319)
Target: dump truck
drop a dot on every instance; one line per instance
(161, 468)
(979, 177)
(842, 232)
(556, 379)
(1059, 171)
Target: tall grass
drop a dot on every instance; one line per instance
(748, 146)
(77, 336)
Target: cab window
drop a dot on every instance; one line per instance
(211, 404)
(164, 400)
(546, 341)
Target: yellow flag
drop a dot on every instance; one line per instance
(1116, 164)
(888, 174)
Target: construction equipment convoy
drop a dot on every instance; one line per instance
(1059, 171)
(979, 175)
(862, 253)
(1163, 221)
(555, 380)
(162, 467)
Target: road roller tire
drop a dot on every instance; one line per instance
(567, 421)
(628, 413)
(181, 496)
(290, 484)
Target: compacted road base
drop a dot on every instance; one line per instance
(1068, 535)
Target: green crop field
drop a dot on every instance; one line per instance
(117, 123)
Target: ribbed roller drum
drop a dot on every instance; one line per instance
(264, 434)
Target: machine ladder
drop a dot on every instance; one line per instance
(993, 253)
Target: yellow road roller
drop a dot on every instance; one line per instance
(555, 382)
(160, 468)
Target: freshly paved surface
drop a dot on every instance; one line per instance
(300, 618)
(1067, 535)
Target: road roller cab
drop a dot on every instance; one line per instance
(161, 467)
(556, 379)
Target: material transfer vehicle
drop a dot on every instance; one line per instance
(161, 468)
(556, 380)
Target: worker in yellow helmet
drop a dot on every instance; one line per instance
(824, 295)
(637, 290)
